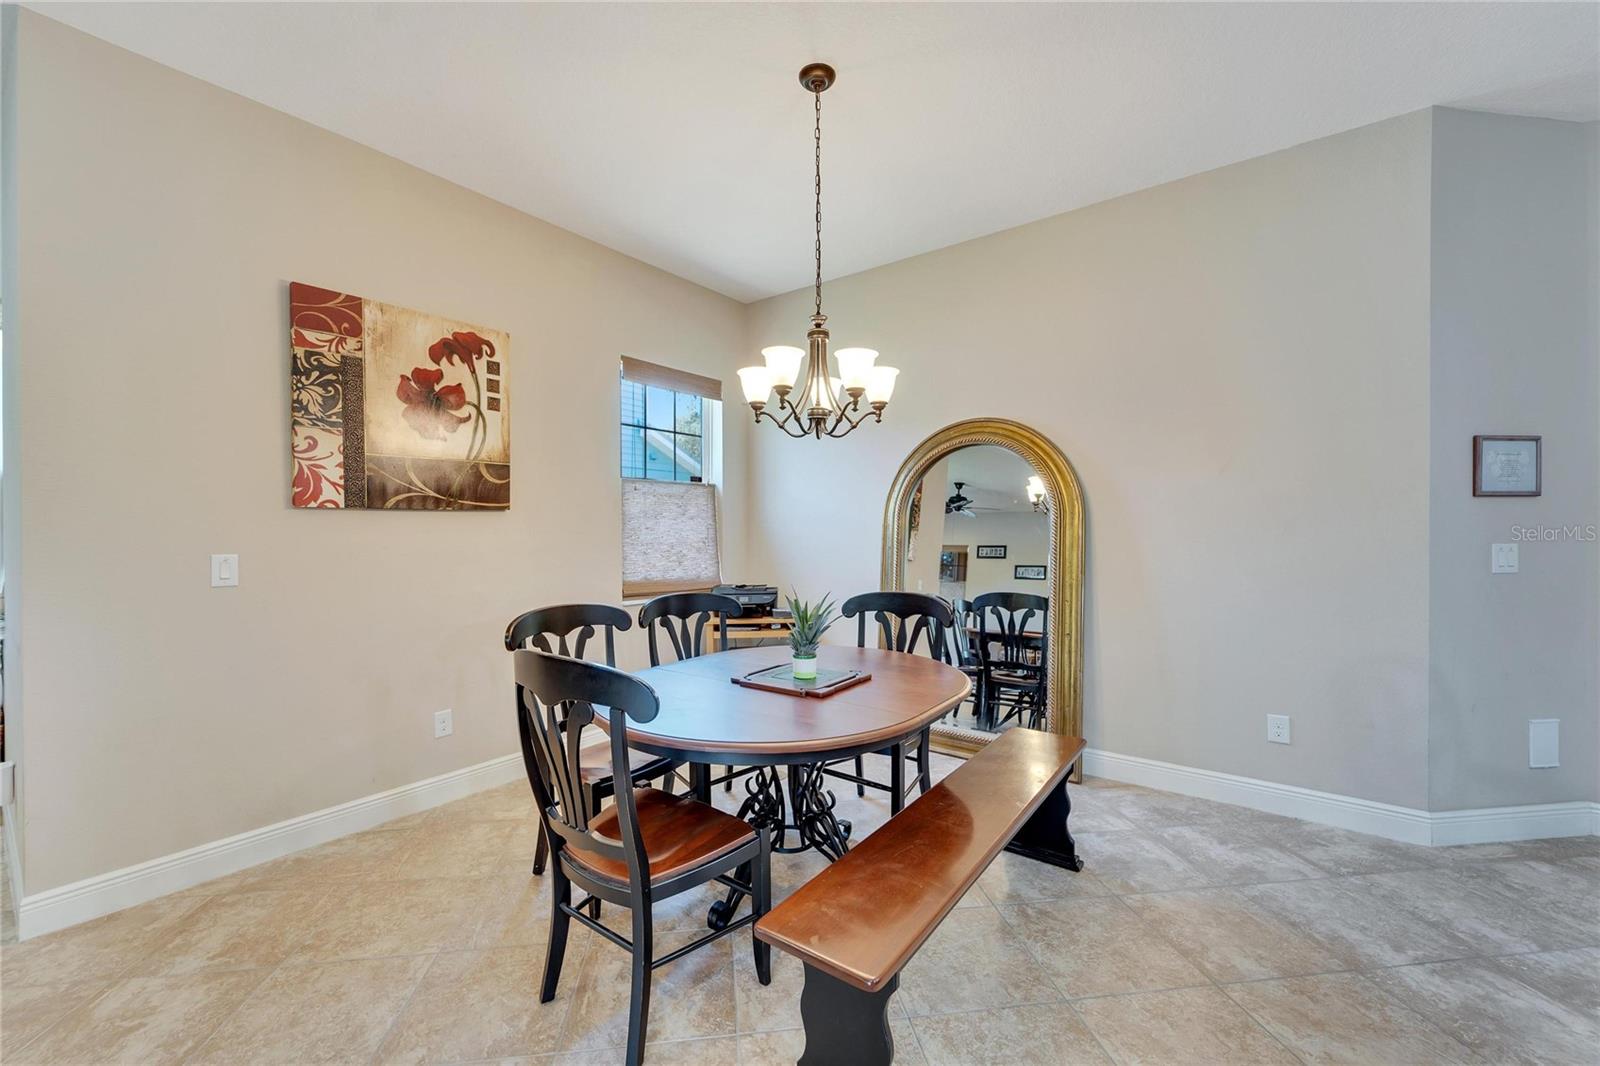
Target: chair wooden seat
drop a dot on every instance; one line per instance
(679, 833)
(594, 763)
(857, 923)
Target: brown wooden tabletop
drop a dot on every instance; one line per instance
(705, 717)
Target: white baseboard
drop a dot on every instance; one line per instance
(1490, 825)
(13, 856)
(92, 897)
(1482, 826)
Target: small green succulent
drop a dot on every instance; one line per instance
(811, 620)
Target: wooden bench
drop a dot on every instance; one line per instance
(858, 923)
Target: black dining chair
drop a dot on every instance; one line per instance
(567, 630)
(682, 618)
(904, 620)
(1013, 659)
(646, 847)
(964, 652)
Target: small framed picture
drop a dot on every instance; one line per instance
(1505, 466)
(1028, 573)
(991, 551)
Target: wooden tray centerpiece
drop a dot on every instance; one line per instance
(781, 679)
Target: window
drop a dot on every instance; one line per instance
(668, 463)
(663, 434)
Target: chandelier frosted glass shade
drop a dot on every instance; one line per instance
(756, 381)
(783, 360)
(855, 364)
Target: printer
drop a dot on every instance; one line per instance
(755, 599)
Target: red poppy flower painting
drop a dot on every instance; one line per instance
(463, 347)
(410, 411)
(430, 409)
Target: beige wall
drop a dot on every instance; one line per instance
(1514, 351)
(1026, 536)
(160, 221)
(1237, 365)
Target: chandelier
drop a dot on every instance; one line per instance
(825, 406)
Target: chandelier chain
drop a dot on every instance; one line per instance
(817, 139)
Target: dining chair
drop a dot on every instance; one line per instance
(964, 652)
(904, 620)
(646, 847)
(682, 618)
(567, 630)
(1013, 662)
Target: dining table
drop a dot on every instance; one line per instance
(707, 720)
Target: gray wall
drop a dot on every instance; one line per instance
(1237, 365)
(1513, 351)
(1268, 378)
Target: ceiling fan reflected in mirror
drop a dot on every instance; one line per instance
(960, 503)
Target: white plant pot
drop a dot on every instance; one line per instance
(805, 667)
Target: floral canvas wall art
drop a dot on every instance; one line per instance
(395, 409)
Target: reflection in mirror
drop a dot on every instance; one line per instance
(979, 537)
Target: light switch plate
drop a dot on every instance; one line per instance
(1544, 743)
(1503, 558)
(224, 571)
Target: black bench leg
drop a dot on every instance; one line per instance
(844, 1025)
(1044, 836)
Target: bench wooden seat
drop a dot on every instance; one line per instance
(858, 923)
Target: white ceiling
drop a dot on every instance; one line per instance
(994, 477)
(678, 133)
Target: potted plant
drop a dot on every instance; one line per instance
(811, 620)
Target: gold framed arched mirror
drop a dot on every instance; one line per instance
(979, 493)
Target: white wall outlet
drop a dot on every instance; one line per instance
(1278, 728)
(224, 571)
(1544, 743)
(443, 723)
(1503, 558)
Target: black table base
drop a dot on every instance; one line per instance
(814, 825)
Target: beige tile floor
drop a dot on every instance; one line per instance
(1199, 933)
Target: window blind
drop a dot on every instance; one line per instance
(669, 537)
(643, 373)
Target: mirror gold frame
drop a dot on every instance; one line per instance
(1065, 636)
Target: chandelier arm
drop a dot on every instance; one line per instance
(849, 423)
(788, 419)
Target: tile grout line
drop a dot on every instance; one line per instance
(377, 1047)
(116, 979)
(199, 1045)
(1099, 1043)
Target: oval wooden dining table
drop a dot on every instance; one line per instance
(706, 720)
